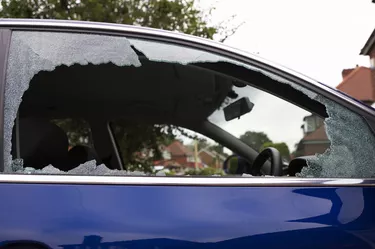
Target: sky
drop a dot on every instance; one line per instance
(317, 38)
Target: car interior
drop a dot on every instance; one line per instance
(155, 93)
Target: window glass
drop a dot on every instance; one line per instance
(273, 122)
(137, 95)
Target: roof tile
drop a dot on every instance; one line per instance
(359, 84)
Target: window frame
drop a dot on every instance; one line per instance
(196, 43)
(5, 37)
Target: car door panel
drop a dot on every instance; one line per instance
(101, 216)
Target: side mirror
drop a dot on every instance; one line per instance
(236, 165)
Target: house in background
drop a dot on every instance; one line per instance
(211, 158)
(314, 139)
(177, 154)
(369, 49)
(358, 82)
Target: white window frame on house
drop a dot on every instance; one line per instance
(167, 155)
(191, 159)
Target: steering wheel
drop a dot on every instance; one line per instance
(276, 163)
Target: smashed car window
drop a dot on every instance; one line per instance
(33, 52)
(142, 84)
(273, 122)
(341, 145)
(352, 150)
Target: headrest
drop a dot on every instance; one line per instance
(41, 143)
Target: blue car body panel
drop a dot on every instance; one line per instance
(116, 216)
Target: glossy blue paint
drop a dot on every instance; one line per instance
(73, 216)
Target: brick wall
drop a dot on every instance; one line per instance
(312, 149)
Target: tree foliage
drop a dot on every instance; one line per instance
(179, 15)
(209, 171)
(139, 144)
(255, 139)
(202, 144)
(217, 148)
(281, 147)
(78, 131)
(260, 141)
(233, 165)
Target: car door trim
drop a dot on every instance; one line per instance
(5, 37)
(183, 181)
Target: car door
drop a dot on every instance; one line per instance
(129, 84)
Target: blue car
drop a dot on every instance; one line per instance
(118, 136)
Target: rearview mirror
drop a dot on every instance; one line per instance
(238, 108)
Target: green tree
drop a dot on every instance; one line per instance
(255, 139)
(281, 147)
(233, 165)
(217, 148)
(139, 144)
(202, 144)
(180, 15)
(77, 130)
(209, 171)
